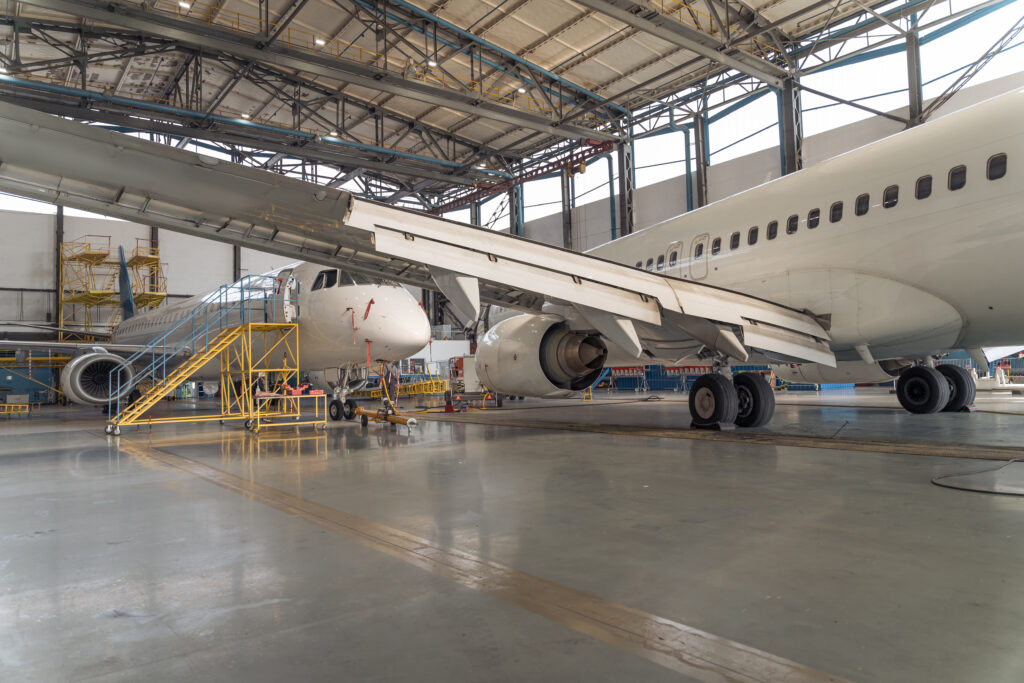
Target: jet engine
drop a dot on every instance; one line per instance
(86, 378)
(538, 355)
(845, 372)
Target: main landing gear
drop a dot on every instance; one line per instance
(948, 388)
(339, 409)
(716, 402)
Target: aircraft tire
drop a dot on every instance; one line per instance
(348, 409)
(756, 400)
(335, 409)
(713, 400)
(922, 390)
(962, 388)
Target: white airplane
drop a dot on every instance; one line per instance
(345, 321)
(867, 266)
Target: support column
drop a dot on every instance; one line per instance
(914, 79)
(236, 263)
(567, 204)
(703, 158)
(58, 239)
(516, 207)
(474, 213)
(791, 134)
(627, 185)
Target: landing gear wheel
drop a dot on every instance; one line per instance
(335, 409)
(499, 400)
(713, 401)
(756, 400)
(349, 409)
(922, 390)
(962, 388)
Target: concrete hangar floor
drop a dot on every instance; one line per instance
(546, 541)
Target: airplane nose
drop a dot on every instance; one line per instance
(402, 327)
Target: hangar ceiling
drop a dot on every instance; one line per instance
(419, 101)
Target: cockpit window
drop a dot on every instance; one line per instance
(325, 278)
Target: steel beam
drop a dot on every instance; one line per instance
(914, 91)
(567, 206)
(199, 35)
(791, 135)
(515, 210)
(683, 36)
(627, 178)
(702, 156)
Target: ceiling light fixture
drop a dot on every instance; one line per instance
(333, 133)
(185, 5)
(319, 41)
(245, 116)
(431, 62)
(522, 91)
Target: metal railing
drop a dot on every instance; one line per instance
(253, 299)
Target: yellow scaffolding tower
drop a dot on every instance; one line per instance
(89, 301)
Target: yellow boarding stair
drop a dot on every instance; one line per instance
(161, 389)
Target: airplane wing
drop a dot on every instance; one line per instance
(90, 168)
(69, 347)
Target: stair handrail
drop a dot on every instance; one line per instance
(213, 319)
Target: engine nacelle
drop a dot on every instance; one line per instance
(86, 378)
(845, 372)
(538, 355)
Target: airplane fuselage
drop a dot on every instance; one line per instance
(906, 277)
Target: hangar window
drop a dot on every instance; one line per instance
(862, 204)
(792, 224)
(813, 217)
(957, 177)
(698, 251)
(673, 259)
(716, 246)
(639, 264)
(891, 196)
(325, 278)
(650, 264)
(996, 166)
(661, 262)
(773, 229)
(923, 188)
(752, 235)
(734, 241)
(835, 214)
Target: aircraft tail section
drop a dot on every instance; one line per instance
(125, 285)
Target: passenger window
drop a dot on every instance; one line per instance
(752, 235)
(996, 167)
(325, 278)
(716, 246)
(661, 262)
(862, 205)
(773, 229)
(891, 196)
(792, 224)
(698, 251)
(734, 240)
(813, 216)
(673, 258)
(835, 214)
(639, 264)
(650, 264)
(923, 188)
(957, 177)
